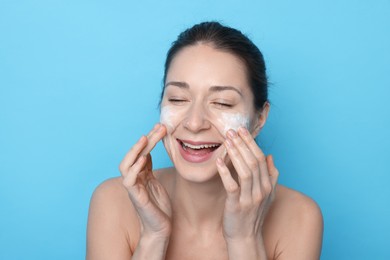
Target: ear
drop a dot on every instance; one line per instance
(261, 119)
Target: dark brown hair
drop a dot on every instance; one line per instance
(230, 40)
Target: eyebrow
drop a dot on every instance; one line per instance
(212, 88)
(177, 84)
(223, 88)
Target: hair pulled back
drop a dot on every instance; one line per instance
(232, 41)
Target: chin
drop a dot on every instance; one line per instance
(197, 174)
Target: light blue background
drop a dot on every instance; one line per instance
(80, 82)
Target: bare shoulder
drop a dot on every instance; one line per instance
(110, 187)
(111, 220)
(299, 204)
(294, 225)
(110, 197)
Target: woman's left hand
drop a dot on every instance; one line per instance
(248, 200)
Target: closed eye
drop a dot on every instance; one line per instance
(222, 105)
(177, 100)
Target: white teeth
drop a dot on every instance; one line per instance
(202, 146)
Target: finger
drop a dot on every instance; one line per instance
(137, 150)
(265, 181)
(251, 161)
(132, 155)
(274, 173)
(154, 137)
(148, 173)
(229, 183)
(154, 129)
(243, 172)
(149, 163)
(130, 179)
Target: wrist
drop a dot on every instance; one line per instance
(153, 239)
(163, 234)
(151, 247)
(246, 248)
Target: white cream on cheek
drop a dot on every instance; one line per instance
(166, 118)
(171, 117)
(232, 121)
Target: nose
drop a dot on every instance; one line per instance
(197, 118)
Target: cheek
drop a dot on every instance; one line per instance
(170, 118)
(233, 121)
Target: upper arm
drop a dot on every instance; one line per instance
(107, 229)
(303, 240)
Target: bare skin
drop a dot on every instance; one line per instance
(291, 230)
(224, 206)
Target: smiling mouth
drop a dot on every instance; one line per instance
(197, 151)
(205, 147)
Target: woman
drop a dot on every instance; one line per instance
(221, 199)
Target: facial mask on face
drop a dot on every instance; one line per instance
(168, 118)
(171, 118)
(233, 121)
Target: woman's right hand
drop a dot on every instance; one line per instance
(149, 197)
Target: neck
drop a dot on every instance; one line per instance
(199, 205)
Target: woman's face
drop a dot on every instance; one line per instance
(206, 94)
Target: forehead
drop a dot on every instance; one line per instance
(202, 66)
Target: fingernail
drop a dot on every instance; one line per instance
(232, 134)
(243, 131)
